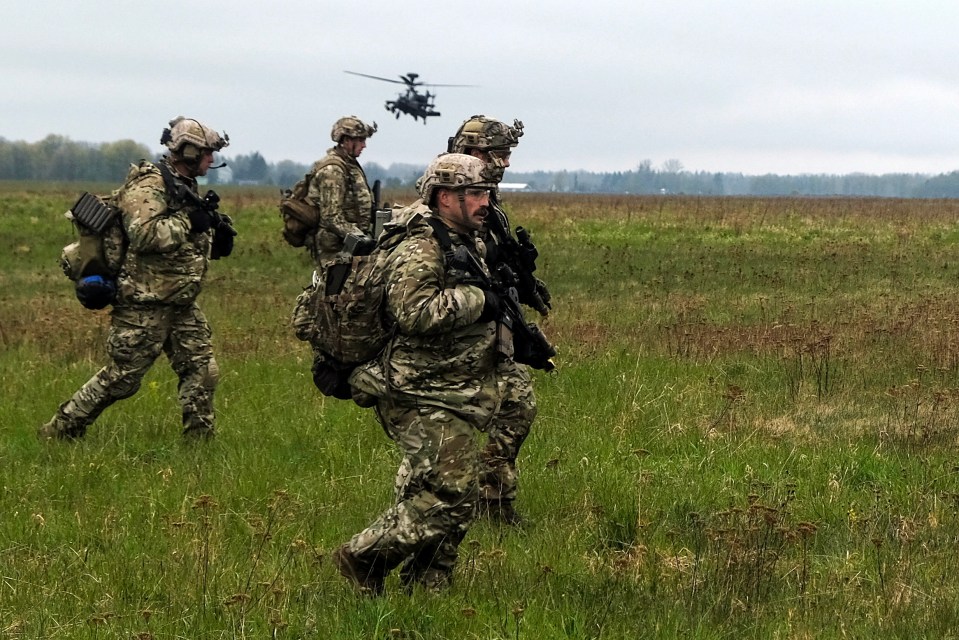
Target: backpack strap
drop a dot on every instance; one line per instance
(174, 187)
(442, 233)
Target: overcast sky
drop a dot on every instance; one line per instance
(760, 86)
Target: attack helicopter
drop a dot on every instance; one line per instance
(411, 102)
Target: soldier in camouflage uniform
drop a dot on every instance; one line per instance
(169, 244)
(339, 189)
(434, 385)
(492, 141)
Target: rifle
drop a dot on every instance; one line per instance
(530, 345)
(222, 224)
(519, 254)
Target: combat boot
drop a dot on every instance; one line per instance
(369, 577)
(60, 429)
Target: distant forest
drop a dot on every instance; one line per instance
(57, 158)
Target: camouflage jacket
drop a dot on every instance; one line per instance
(165, 262)
(340, 191)
(440, 355)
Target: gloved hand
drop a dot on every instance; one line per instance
(491, 306)
(200, 221)
(223, 238)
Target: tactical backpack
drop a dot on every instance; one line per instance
(94, 261)
(301, 217)
(341, 312)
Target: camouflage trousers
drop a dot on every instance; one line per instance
(436, 495)
(138, 334)
(507, 432)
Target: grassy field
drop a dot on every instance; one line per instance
(752, 433)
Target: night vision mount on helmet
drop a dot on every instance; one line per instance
(187, 137)
(484, 133)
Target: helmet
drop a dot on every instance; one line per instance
(353, 127)
(96, 292)
(187, 131)
(481, 132)
(453, 171)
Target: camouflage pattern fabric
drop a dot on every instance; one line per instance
(512, 422)
(441, 356)
(507, 432)
(138, 334)
(340, 191)
(165, 262)
(403, 215)
(440, 392)
(436, 497)
(155, 310)
(514, 418)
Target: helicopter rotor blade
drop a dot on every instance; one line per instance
(366, 75)
(409, 79)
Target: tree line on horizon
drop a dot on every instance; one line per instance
(58, 158)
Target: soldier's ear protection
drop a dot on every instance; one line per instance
(190, 152)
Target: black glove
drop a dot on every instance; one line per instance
(491, 306)
(200, 221)
(223, 238)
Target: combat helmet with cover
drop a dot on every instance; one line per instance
(489, 135)
(353, 127)
(453, 171)
(187, 138)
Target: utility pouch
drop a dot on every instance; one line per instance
(380, 218)
(336, 275)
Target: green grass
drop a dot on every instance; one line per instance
(751, 433)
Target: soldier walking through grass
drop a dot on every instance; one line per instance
(434, 383)
(170, 238)
(493, 141)
(340, 191)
